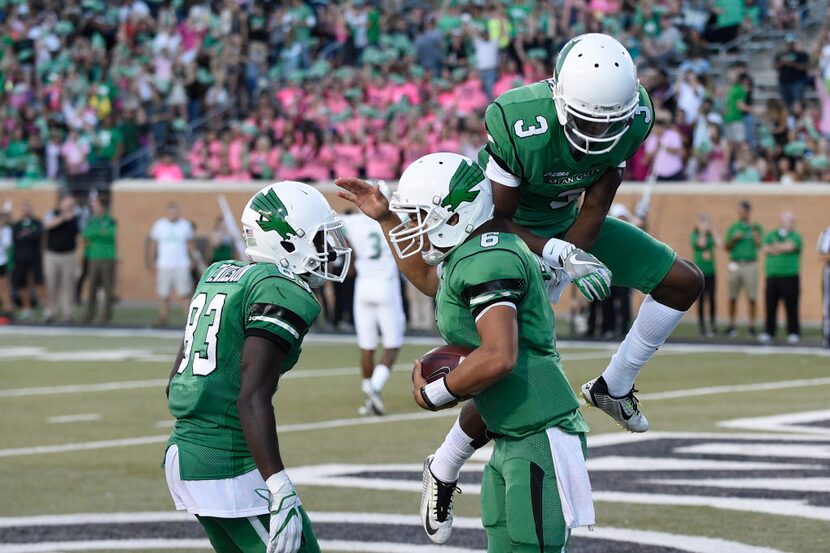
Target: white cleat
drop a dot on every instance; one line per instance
(436, 505)
(623, 409)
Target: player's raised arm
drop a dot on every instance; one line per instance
(373, 203)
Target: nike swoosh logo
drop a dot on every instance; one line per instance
(430, 530)
(574, 261)
(626, 415)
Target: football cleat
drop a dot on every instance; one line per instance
(372, 405)
(623, 409)
(436, 505)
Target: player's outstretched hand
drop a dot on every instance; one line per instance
(368, 198)
(588, 273)
(286, 526)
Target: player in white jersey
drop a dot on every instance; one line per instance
(377, 305)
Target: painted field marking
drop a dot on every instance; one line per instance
(301, 427)
(81, 417)
(339, 339)
(713, 390)
(159, 383)
(800, 451)
(693, 544)
(800, 484)
(788, 422)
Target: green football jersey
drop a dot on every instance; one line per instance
(232, 300)
(487, 270)
(525, 139)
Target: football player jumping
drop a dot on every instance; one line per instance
(535, 487)
(246, 323)
(549, 144)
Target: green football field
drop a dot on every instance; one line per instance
(737, 458)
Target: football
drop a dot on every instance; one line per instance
(438, 362)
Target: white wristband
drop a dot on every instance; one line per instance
(552, 252)
(437, 394)
(279, 484)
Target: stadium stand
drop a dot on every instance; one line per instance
(240, 90)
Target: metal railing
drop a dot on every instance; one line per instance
(133, 164)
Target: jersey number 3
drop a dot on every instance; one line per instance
(521, 131)
(203, 323)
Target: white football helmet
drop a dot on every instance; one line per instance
(292, 225)
(442, 196)
(596, 92)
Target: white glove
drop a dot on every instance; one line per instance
(286, 527)
(588, 273)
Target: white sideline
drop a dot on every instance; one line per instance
(756, 387)
(347, 371)
(693, 544)
(80, 417)
(301, 427)
(336, 339)
(160, 383)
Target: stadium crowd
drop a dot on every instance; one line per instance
(237, 90)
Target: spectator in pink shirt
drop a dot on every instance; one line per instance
(604, 7)
(414, 147)
(665, 148)
(316, 159)
(510, 78)
(714, 161)
(259, 161)
(238, 150)
(166, 169)
(74, 152)
(289, 166)
(348, 155)
(470, 97)
(383, 158)
(200, 165)
(448, 141)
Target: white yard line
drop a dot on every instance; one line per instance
(80, 388)
(776, 507)
(337, 339)
(81, 417)
(757, 387)
(302, 427)
(692, 544)
(160, 383)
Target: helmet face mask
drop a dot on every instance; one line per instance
(291, 225)
(331, 255)
(595, 135)
(596, 92)
(419, 223)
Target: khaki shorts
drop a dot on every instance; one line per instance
(743, 274)
(168, 279)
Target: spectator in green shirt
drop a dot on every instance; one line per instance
(704, 240)
(736, 107)
(742, 241)
(782, 268)
(99, 236)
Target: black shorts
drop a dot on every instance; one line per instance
(23, 268)
(3, 269)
